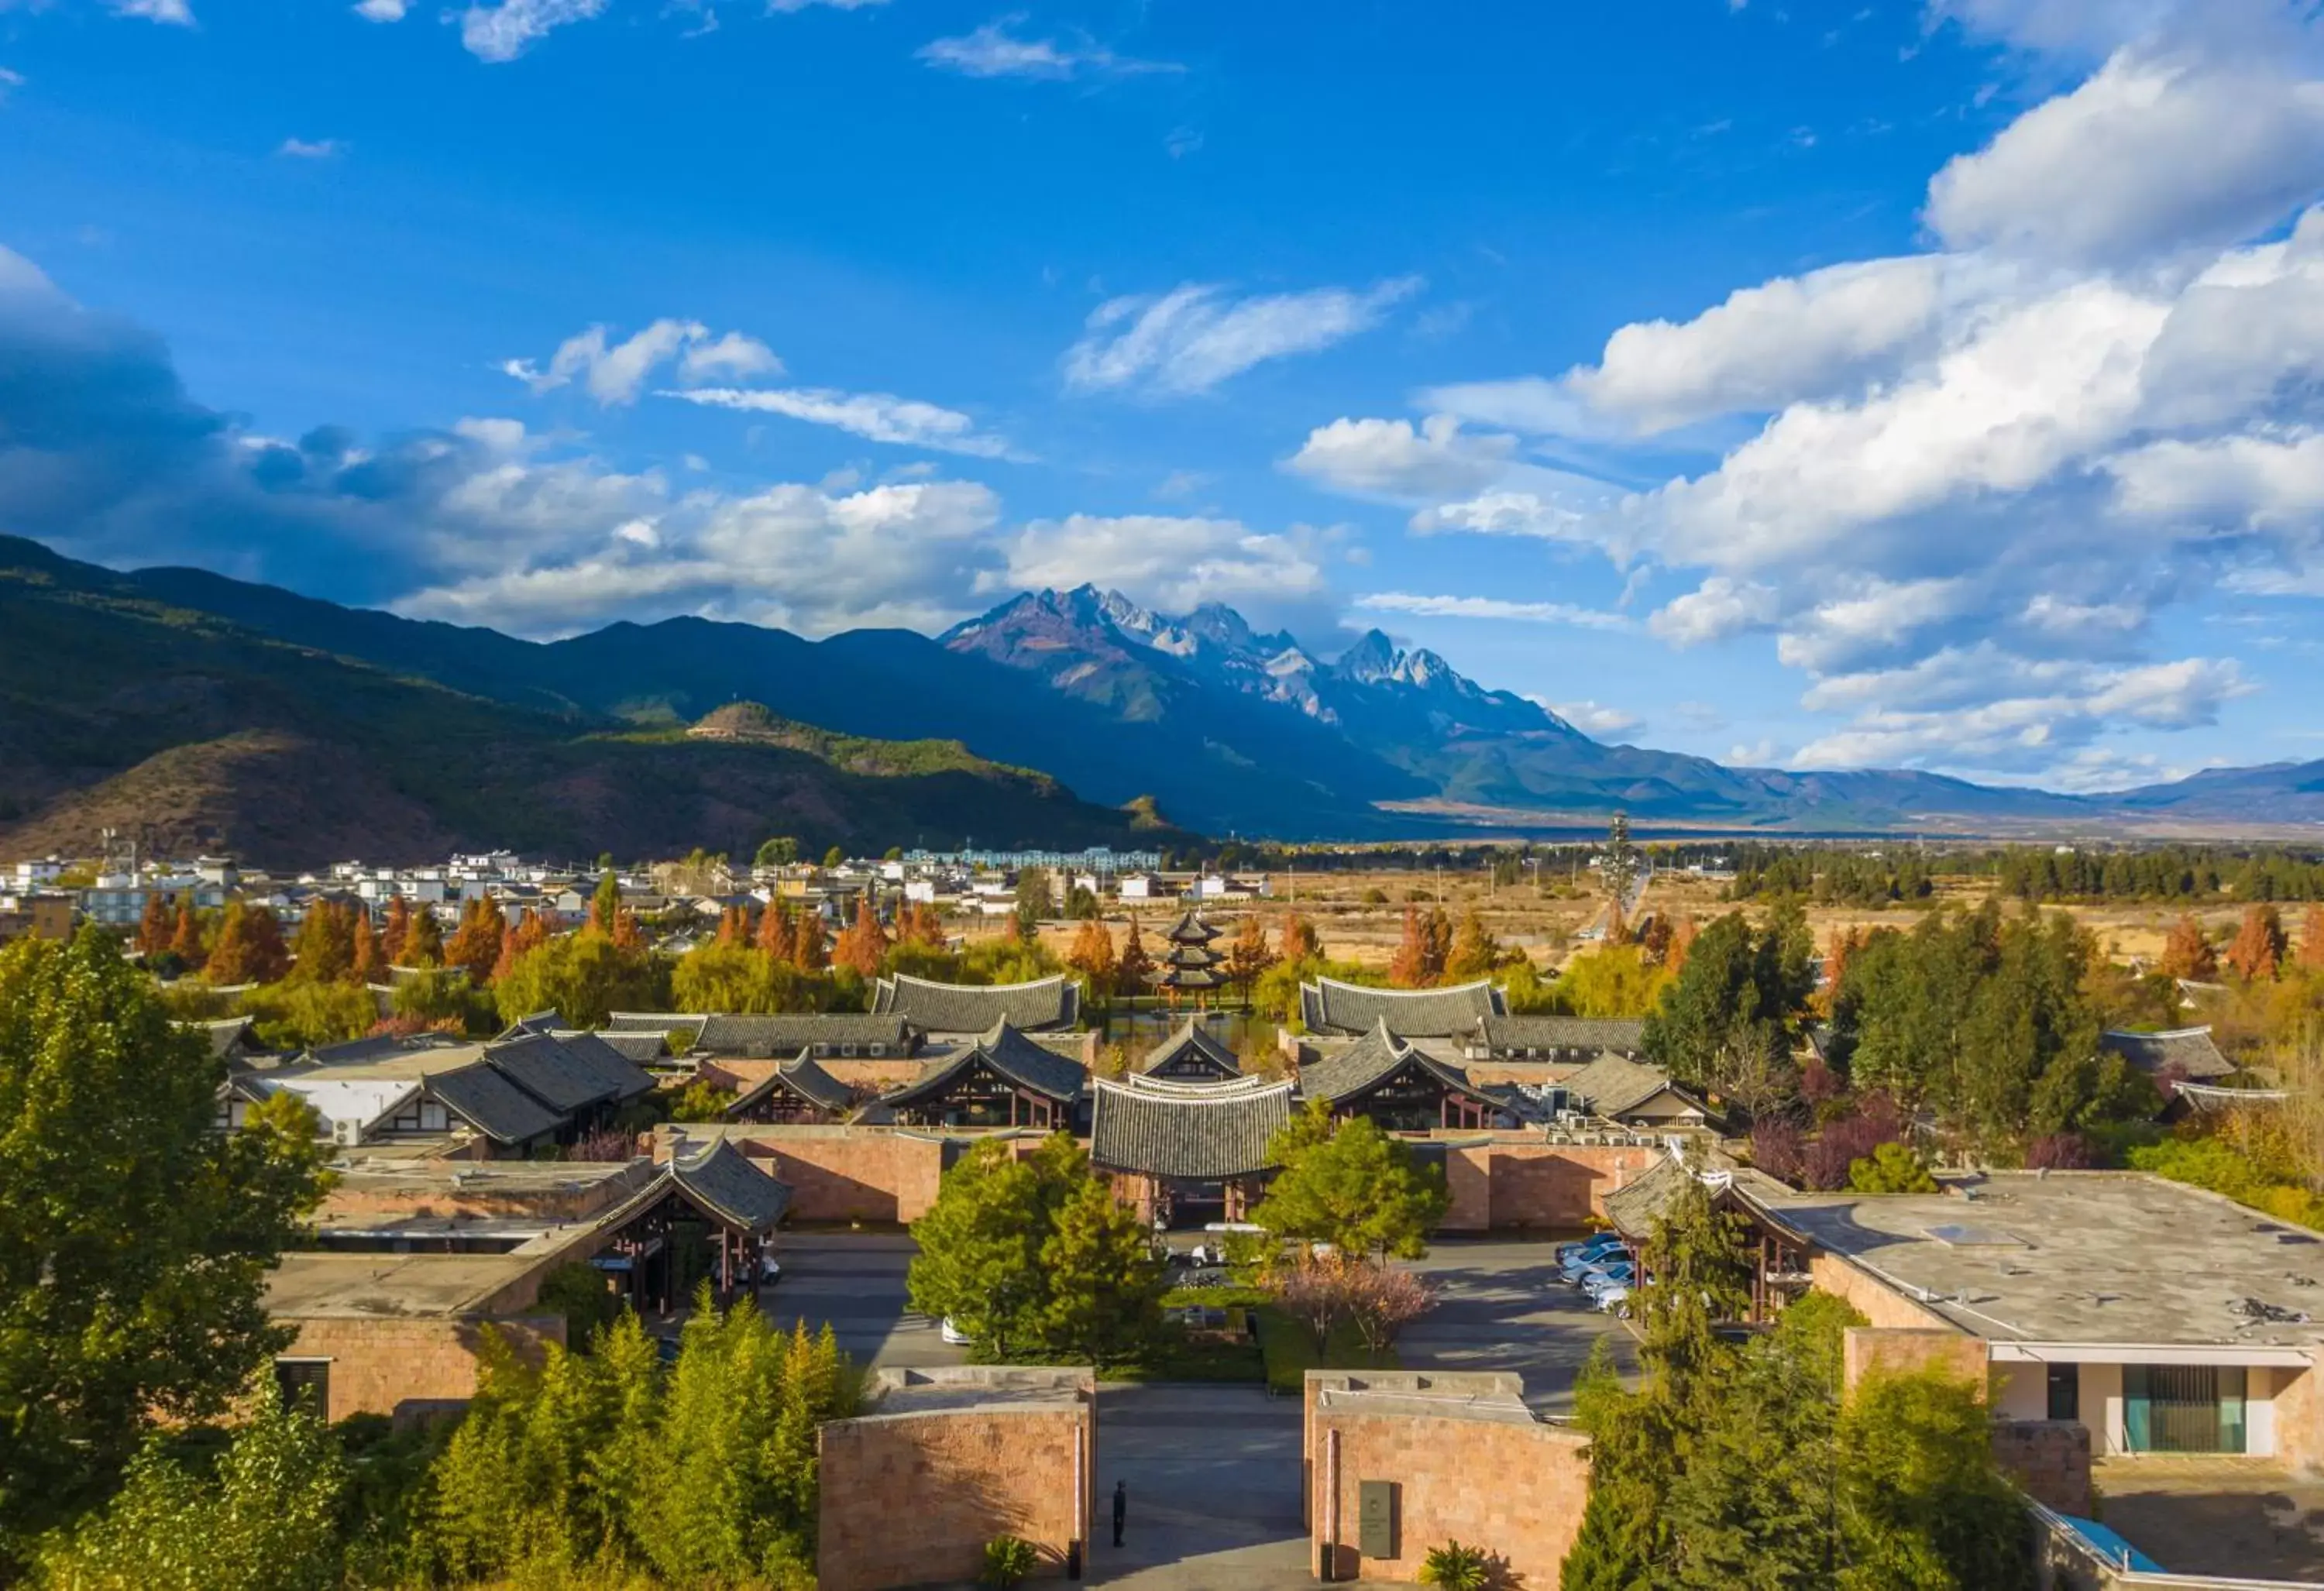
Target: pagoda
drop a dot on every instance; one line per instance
(1190, 966)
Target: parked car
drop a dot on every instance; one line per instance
(1597, 1282)
(952, 1333)
(1615, 1300)
(1581, 1266)
(1588, 1248)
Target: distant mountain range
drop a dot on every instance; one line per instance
(1227, 728)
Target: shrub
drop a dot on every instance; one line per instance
(1455, 1567)
(1008, 1560)
(1891, 1169)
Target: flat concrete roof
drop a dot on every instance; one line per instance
(1495, 1410)
(308, 1285)
(2093, 1258)
(946, 1389)
(498, 1178)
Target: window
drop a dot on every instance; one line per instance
(875, 1051)
(2065, 1392)
(305, 1383)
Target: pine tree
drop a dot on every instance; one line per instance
(1132, 968)
(1105, 1281)
(1408, 969)
(364, 960)
(2259, 945)
(863, 945)
(394, 935)
(477, 944)
(154, 926)
(186, 938)
(2187, 953)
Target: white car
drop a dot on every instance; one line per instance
(1615, 1300)
(952, 1333)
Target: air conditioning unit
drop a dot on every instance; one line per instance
(346, 1133)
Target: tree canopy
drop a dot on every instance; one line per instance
(1347, 1183)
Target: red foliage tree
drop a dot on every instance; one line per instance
(476, 944)
(811, 951)
(1408, 967)
(1299, 941)
(2259, 945)
(395, 933)
(364, 960)
(153, 925)
(186, 938)
(863, 944)
(2187, 953)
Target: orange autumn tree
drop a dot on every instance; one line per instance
(476, 944)
(1299, 940)
(1408, 967)
(1249, 956)
(324, 945)
(2312, 939)
(734, 925)
(363, 946)
(775, 936)
(1682, 940)
(531, 931)
(811, 951)
(863, 945)
(395, 933)
(249, 947)
(917, 922)
(2259, 945)
(2187, 953)
(153, 925)
(1091, 954)
(186, 938)
(423, 942)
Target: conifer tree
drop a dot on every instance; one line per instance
(2187, 953)
(775, 936)
(325, 943)
(809, 949)
(2312, 938)
(605, 905)
(249, 947)
(1439, 943)
(423, 941)
(1249, 956)
(153, 925)
(476, 944)
(395, 933)
(1091, 954)
(1474, 951)
(2259, 945)
(364, 960)
(863, 944)
(1408, 969)
(186, 938)
(1299, 941)
(1133, 966)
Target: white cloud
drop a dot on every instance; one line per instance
(319, 149)
(1592, 718)
(10, 81)
(993, 51)
(1469, 607)
(1719, 607)
(1791, 338)
(1876, 618)
(615, 373)
(1189, 340)
(1171, 562)
(176, 13)
(502, 32)
(878, 417)
(381, 11)
(2148, 157)
(2249, 482)
(1392, 458)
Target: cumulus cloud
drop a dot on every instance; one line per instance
(176, 13)
(616, 371)
(381, 11)
(1594, 718)
(1471, 607)
(1721, 607)
(1170, 562)
(877, 416)
(992, 50)
(1189, 340)
(1394, 458)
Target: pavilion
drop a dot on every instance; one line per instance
(1187, 1152)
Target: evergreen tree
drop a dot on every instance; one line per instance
(1105, 1281)
(1134, 966)
(1725, 1022)
(1358, 1189)
(979, 1259)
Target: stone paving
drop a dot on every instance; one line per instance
(855, 1281)
(1214, 1475)
(1502, 1306)
(2216, 1516)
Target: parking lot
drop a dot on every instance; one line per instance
(855, 1281)
(1502, 1306)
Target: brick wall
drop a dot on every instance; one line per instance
(2050, 1460)
(1456, 1384)
(1559, 1185)
(1468, 1179)
(848, 1173)
(380, 1367)
(1515, 1491)
(1868, 1350)
(911, 1499)
(1875, 1299)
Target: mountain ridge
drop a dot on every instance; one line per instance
(1232, 728)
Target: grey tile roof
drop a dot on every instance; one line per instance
(1327, 1006)
(2189, 1049)
(765, 1037)
(684, 1027)
(639, 1048)
(720, 1180)
(384, 1047)
(609, 1060)
(959, 1007)
(1191, 1044)
(1009, 1053)
(566, 1078)
(1633, 1209)
(487, 1102)
(1172, 1130)
(1190, 929)
(1619, 1035)
(801, 1077)
(1611, 1085)
(1370, 1060)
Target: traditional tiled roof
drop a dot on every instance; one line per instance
(564, 1077)
(764, 1037)
(1619, 1036)
(1633, 1209)
(722, 1181)
(801, 1077)
(487, 1102)
(1172, 1130)
(959, 1007)
(682, 1026)
(1190, 929)
(1370, 1060)
(1327, 1006)
(2189, 1050)
(1192, 1043)
(639, 1048)
(227, 1034)
(610, 1061)
(1009, 1053)
(1611, 1085)
(384, 1047)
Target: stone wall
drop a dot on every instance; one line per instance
(910, 1498)
(1866, 1351)
(839, 1174)
(1875, 1299)
(1510, 1486)
(1561, 1185)
(403, 1366)
(2300, 1419)
(2050, 1460)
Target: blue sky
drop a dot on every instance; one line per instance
(1832, 384)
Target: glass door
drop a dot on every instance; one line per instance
(2184, 1408)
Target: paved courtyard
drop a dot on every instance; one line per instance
(1503, 1307)
(1214, 1475)
(2216, 1516)
(855, 1281)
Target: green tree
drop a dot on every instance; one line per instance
(267, 1519)
(1921, 1502)
(1105, 1281)
(1891, 1168)
(980, 1244)
(780, 851)
(134, 1239)
(1727, 1023)
(585, 976)
(1358, 1189)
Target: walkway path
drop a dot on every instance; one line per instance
(1214, 1475)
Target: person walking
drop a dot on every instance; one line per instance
(1120, 1508)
